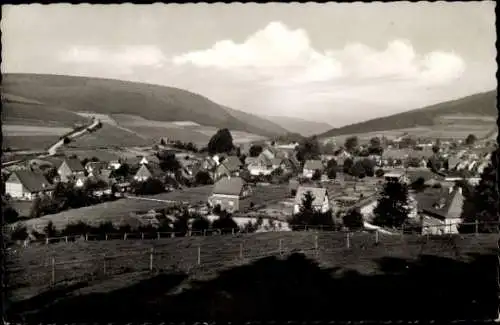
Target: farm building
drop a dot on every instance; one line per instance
(228, 192)
(148, 171)
(320, 203)
(69, 169)
(94, 167)
(25, 184)
(440, 210)
(231, 166)
(311, 166)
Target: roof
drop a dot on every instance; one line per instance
(319, 194)
(32, 181)
(229, 186)
(277, 161)
(394, 154)
(96, 165)
(74, 164)
(153, 169)
(426, 153)
(56, 162)
(428, 200)
(414, 175)
(251, 160)
(232, 163)
(313, 164)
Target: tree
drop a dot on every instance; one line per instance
(306, 211)
(328, 148)
(351, 144)
(413, 162)
(331, 173)
(407, 142)
(348, 163)
(353, 219)
(225, 223)
(221, 142)
(36, 208)
(369, 167)
(375, 147)
(434, 164)
(181, 223)
(50, 230)
(200, 224)
(150, 186)
(66, 140)
(358, 169)
(255, 150)
(20, 232)
(168, 162)
(470, 140)
(379, 173)
(316, 175)
(308, 149)
(392, 208)
(162, 142)
(482, 203)
(50, 174)
(418, 185)
(203, 178)
(122, 171)
(10, 215)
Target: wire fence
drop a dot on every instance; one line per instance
(424, 230)
(205, 256)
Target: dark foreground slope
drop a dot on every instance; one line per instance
(482, 104)
(106, 96)
(416, 278)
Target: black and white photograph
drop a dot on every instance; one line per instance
(206, 162)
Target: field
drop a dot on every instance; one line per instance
(22, 137)
(109, 136)
(447, 277)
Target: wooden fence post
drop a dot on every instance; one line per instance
(376, 236)
(232, 231)
(348, 244)
(46, 240)
(66, 238)
(316, 245)
(86, 237)
(104, 268)
(158, 235)
(105, 236)
(151, 259)
(142, 236)
(125, 236)
(204, 232)
(199, 255)
(477, 226)
(241, 250)
(53, 277)
(281, 247)
(172, 234)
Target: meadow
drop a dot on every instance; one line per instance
(320, 267)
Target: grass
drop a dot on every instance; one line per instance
(109, 136)
(29, 268)
(35, 142)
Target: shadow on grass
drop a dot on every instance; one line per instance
(295, 288)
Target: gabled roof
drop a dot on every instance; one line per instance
(251, 160)
(153, 169)
(232, 163)
(313, 165)
(55, 161)
(395, 154)
(426, 174)
(31, 181)
(438, 202)
(319, 194)
(229, 186)
(96, 165)
(74, 164)
(277, 161)
(426, 153)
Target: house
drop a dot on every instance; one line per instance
(26, 184)
(231, 166)
(396, 177)
(148, 171)
(228, 193)
(115, 163)
(440, 210)
(70, 169)
(341, 156)
(320, 203)
(94, 167)
(394, 157)
(311, 166)
(80, 181)
(149, 159)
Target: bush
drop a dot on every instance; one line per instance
(353, 219)
(225, 223)
(203, 178)
(50, 230)
(200, 224)
(20, 232)
(250, 227)
(379, 173)
(75, 229)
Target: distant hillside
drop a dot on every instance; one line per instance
(482, 104)
(106, 96)
(297, 125)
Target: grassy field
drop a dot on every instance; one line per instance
(109, 136)
(456, 271)
(35, 142)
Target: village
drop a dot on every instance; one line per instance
(261, 186)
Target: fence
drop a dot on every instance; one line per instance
(206, 255)
(425, 230)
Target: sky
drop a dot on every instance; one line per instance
(335, 63)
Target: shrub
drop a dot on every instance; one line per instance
(200, 223)
(75, 229)
(50, 230)
(353, 219)
(20, 232)
(379, 173)
(225, 223)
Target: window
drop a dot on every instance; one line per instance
(231, 203)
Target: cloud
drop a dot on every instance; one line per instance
(285, 56)
(126, 58)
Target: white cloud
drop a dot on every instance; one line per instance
(287, 57)
(127, 57)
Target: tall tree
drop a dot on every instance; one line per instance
(482, 203)
(221, 142)
(255, 150)
(375, 147)
(351, 144)
(353, 219)
(348, 163)
(392, 207)
(331, 169)
(308, 148)
(168, 162)
(471, 139)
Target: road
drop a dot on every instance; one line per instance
(53, 149)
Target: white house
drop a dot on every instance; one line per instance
(26, 185)
(311, 166)
(320, 203)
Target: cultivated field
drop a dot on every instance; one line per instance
(109, 136)
(35, 142)
(234, 272)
